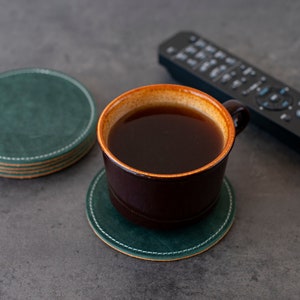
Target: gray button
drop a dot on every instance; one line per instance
(286, 117)
(230, 60)
(192, 62)
(236, 84)
(200, 43)
(263, 79)
(190, 50)
(220, 54)
(213, 62)
(181, 56)
(274, 97)
(247, 71)
(171, 50)
(205, 67)
(211, 49)
(226, 78)
(200, 55)
(223, 67)
(215, 72)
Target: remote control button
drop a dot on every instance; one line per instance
(264, 91)
(218, 71)
(225, 78)
(254, 87)
(204, 67)
(236, 84)
(263, 78)
(268, 105)
(220, 54)
(193, 38)
(192, 62)
(211, 49)
(274, 97)
(190, 50)
(286, 117)
(284, 90)
(213, 62)
(230, 60)
(285, 104)
(200, 43)
(248, 71)
(200, 55)
(171, 50)
(181, 56)
(298, 113)
(215, 72)
(223, 67)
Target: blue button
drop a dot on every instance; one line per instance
(285, 104)
(264, 91)
(283, 91)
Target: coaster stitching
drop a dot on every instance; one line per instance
(155, 252)
(47, 72)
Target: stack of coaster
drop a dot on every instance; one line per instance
(47, 122)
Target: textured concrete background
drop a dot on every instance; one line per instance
(47, 249)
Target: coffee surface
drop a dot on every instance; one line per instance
(165, 140)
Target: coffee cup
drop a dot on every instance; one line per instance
(165, 149)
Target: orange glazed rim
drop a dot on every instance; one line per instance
(147, 96)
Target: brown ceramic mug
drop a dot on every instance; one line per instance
(162, 199)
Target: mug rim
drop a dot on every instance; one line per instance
(222, 155)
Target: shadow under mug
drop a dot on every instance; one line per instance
(165, 201)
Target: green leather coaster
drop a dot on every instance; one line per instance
(55, 165)
(43, 115)
(156, 245)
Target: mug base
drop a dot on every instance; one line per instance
(154, 223)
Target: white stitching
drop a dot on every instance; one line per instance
(154, 252)
(47, 72)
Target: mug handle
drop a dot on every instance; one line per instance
(239, 113)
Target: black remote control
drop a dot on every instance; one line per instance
(197, 62)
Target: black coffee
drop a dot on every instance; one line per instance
(165, 140)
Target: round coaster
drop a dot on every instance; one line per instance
(49, 168)
(43, 114)
(156, 245)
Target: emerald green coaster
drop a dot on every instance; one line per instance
(33, 171)
(156, 245)
(43, 114)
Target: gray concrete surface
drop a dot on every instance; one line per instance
(47, 249)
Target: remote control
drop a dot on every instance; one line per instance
(200, 63)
